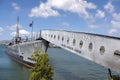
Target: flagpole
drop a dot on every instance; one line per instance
(32, 31)
(17, 31)
(17, 27)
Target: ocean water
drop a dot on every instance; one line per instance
(11, 70)
(67, 66)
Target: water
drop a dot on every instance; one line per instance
(11, 70)
(67, 66)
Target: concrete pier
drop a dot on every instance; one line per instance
(101, 49)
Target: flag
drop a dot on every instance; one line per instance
(31, 24)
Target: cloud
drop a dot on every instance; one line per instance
(115, 24)
(43, 11)
(13, 27)
(51, 8)
(109, 7)
(100, 14)
(65, 24)
(1, 29)
(21, 32)
(76, 6)
(24, 32)
(112, 31)
(93, 26)
(15, 6)
(116, 16)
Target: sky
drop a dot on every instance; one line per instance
(92, 16)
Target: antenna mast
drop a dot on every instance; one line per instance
(17, 28)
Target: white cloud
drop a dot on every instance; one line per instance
(115, 24)
(76, 6)
(43, 11)
(116, 16)
(13, 27)
(21, 32)
(109, 7)
(100, 14)
(65, 24)
(112, 31)
(93, 26)
(24, 32)
(15, 6)
(1, 29)
(13, 34)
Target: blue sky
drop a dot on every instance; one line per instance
(93, 16)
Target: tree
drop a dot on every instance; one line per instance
(114, 77)
(41, 69)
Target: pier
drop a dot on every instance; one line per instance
(101, 49)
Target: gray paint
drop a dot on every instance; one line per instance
(26, 49)
(97, 48)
